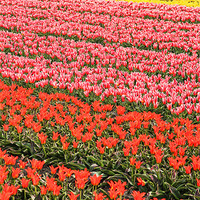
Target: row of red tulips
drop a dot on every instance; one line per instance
(70, 149)
(17, 176)
(86, 123)
(169, 145)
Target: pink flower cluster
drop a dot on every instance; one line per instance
(111, 82)
(118, 71)
(84, 22)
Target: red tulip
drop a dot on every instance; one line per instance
(95, 180)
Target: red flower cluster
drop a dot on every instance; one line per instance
(127, 73)
(116, 188)
(81, 178)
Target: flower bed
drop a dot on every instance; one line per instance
(99, 100)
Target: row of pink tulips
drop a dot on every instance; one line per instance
(112, 82)
(181, 12)
(162, 37)
(89, 53)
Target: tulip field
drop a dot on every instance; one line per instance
(99, 100)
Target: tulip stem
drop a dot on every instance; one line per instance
(20, 137)
(88, 145)
(134, 178)
(24, 194)
(80, 194)
(65, 153)
(157, 187)
(44, 150)
(67, 182)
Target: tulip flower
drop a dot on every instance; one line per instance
(198, 182)
(25, 182)
(138, 196)
(72, 196)
(15, 172)
(140, 182)
(95, 180)
(42, 138)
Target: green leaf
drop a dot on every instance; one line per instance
(124, 176)
(108, 172)
(73, 165)
(152, 186)
(98, 162)
(173, 191)
(105, 193)
(158, 194)
(98, 173)
(110, 164)
(179, 182)
(192, 196)
(191, 187)
(143, 176)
